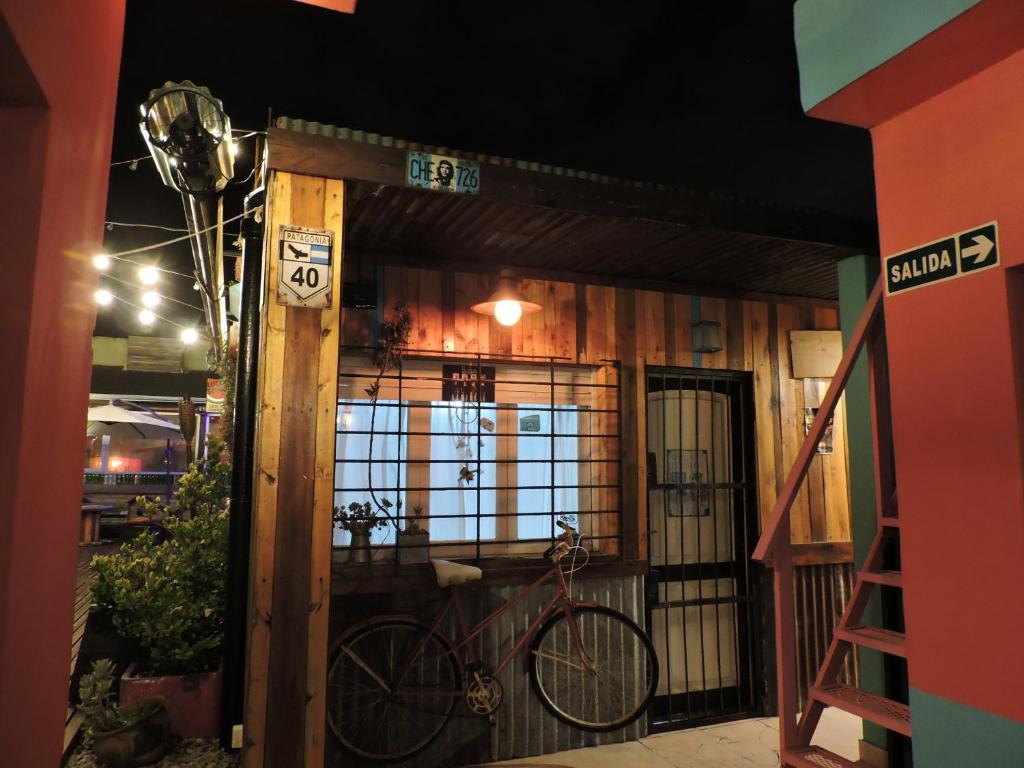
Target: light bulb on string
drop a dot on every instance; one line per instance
(103, 297)
(233, 148)
(146, 317)
(149, 275)
(101, 261)
(189, 335)
(150, 299)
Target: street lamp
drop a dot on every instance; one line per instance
(189, 137)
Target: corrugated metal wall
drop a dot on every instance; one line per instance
(523, 727)
(821, 595)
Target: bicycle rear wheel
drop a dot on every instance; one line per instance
(391, 688)
(608, 690)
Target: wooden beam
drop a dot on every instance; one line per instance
(305, 153)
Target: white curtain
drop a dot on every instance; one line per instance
(454, 443)
(534, 443)
(352, 450)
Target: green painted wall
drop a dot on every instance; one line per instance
(952, 735)
(838, 41)
(857, 275)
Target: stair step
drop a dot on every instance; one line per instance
(815, 757)
(884, 640)
(890, 521)
(885, 578)
(875, 709)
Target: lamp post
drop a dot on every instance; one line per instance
(189, 137)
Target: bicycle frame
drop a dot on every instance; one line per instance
(560, 601)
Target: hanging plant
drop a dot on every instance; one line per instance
(391, 342)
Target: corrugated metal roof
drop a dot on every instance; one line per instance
(492, 232)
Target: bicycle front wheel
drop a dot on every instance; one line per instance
(391, 688)
(594, 669)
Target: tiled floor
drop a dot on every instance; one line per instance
(742, 744)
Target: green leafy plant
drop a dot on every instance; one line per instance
(362, 518)
(168, 597)
(98, 705)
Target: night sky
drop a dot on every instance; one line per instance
(698, 95)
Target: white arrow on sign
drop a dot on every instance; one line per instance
(979, 251)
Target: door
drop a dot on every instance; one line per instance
(702, 524)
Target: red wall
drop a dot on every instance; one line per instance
(58, 76)
(950, 163)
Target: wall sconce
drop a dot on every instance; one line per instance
(707, 336)
(507, 304)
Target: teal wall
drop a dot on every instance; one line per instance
(857, 275)
(952, 735)
(838, 41)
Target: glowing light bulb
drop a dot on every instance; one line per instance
(189, 335)
(103, 297)
(149, 275)
(150, 299)
(146, 317)
(508, 312)
(101, 261)
(233, 148)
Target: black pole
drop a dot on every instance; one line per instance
(240, 528)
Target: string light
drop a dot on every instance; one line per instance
(189, 335)
(103, 297)
(150, 299)
(149, 275)
(233, 148)
(146, 317)
(101, 261)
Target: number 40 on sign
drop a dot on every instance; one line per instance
(305, 267)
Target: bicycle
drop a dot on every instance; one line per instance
(393, 681)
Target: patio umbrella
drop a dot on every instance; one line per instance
(116, 421)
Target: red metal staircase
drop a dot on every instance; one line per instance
(774, 548)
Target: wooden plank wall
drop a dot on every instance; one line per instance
(588, 323)
(293, 497)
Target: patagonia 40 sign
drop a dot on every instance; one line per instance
(305, 267)
(955, 256)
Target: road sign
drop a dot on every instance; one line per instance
(442, 173)
(305, 268)
(945, 259)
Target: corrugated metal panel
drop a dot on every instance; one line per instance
(821, 595)
(524, 728)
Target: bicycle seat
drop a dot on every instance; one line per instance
(449, 573)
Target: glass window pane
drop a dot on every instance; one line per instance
(460, 435)
(535, 494)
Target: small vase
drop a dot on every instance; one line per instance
(359, 547)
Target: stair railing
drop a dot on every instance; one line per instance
(774, 547)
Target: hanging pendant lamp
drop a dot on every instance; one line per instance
(507, 304)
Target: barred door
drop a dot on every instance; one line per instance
(702, 524)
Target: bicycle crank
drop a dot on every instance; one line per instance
(484, 695)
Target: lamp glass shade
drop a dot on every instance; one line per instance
(707, 336)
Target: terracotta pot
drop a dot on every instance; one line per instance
(192, 701)
(134, 745)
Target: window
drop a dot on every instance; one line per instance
(491, 452)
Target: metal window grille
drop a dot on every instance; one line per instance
(528, 439)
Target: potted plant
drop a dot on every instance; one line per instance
(414, 540)
(360, 520)
(116, 735)
(165, 595)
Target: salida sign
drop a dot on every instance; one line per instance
(954, 256)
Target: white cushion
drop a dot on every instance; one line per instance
(449, 573)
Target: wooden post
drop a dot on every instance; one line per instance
(294, 492)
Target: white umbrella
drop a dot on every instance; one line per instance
(116, 421)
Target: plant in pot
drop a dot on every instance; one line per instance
(360, 520)
(165, 596)
(414, 539)
(119, 736)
